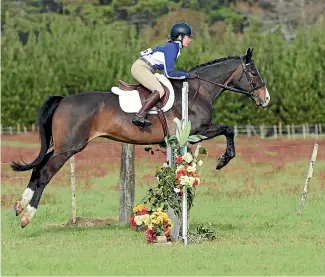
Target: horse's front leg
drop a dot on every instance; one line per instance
(214, 130)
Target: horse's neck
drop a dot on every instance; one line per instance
(178, 85)
(217, 73)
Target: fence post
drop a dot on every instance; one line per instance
(304, 131)
(10, 130)
(33, 128)
(73, 189)
(127, 183)
(280, 129)
(309, 175)
(316, 131)
(288, 132)
(275, 134)
(320, 129)
(25, 130)
(293, 130)
(236, 130)
(262, 131)
(248, 130)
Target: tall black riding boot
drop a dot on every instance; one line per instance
(150, 102)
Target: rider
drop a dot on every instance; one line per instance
(161, 58)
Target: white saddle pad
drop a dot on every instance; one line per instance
(130, 100)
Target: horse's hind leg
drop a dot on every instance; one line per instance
(42, 176)
(31, 187)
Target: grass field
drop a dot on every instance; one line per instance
(251, 204)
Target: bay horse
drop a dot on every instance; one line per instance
(68, 124)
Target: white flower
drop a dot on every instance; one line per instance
(165, 165)
(187, 157)
(177, 190)
(194, 165)
(139, 219)
(157, 178)
(187, 181)
(184, 180)
(191, 169)
(200, 163)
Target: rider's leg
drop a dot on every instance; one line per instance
(142, 73)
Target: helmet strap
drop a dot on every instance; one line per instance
(181, 39)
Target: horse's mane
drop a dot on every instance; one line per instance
(214, 62)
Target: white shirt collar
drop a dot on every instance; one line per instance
(179, 43)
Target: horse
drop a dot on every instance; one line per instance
(68, 123)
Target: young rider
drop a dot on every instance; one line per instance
(160, 58)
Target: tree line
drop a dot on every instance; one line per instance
(64, 56)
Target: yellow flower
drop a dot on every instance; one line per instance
(138, 208)
(150, 226)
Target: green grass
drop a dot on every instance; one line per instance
(254, 216)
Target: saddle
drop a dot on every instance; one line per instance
(144, 93)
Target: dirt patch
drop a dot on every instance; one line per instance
(87, 222)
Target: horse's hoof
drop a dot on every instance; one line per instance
(18, 208)
(24, 221)
(220, 163)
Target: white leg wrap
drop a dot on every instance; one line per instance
(26, 197)
(30, 212)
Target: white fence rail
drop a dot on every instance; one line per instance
(264, 131)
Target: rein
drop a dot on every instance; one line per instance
(250, 93)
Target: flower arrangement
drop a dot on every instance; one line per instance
(186, 171)
(158, 225)
(173, 180)
(140, 217)
(154, 223)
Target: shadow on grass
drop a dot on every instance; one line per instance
(82, 224)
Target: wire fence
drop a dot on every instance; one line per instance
(289, 131)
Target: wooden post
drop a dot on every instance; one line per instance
(309, 175)
(293, 130)
(262, 131)
(304, 130)
(33, 128)
(248, 130)
(127, 185)
(25, 130)
(10, 130)
(275, 134)
(288, 132)
(73, 189)
(316, 131)
(236, 130)
(280, 129)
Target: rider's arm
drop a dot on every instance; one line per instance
(171, 52)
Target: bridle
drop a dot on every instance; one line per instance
(252, 93)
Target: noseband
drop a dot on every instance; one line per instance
(252, 93)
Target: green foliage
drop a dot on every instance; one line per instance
(67, 55)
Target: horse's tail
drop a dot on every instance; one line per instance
(45, 131)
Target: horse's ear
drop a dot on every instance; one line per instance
(249, 55)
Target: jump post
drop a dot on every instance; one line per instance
(171, 162)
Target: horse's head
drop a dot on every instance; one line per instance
(247, 80)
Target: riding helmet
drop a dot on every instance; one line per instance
(182, 29)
